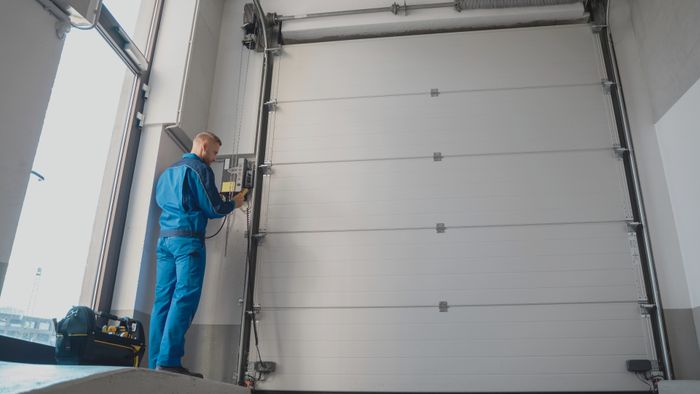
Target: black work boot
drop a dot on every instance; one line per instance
(181, 370)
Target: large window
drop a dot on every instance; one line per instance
(51, 245)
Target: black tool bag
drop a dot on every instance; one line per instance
(86, 338)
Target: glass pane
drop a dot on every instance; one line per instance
(49, 254)
(134, 16)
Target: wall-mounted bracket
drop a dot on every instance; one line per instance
(620, 151)
(440, 228)
(443, 306)
(607, 85)
(266, 168)
(146, 90)
(255, 309)
(259, 236)
(633, 226)
(141, 119)
(434, 92)
(62, 29)
(271, 105)
(645, 308)
(437, 156)
(598, 28)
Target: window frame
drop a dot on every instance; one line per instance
(100, 294)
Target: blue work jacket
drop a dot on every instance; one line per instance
(187, 194)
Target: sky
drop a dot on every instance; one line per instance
(57, 218)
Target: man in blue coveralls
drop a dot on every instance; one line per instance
(187, 194)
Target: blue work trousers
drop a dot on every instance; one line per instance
(179, 278)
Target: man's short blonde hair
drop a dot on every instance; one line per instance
(206, 136)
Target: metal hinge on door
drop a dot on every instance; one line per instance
(620, 151)
(271, 105)
(607, 85)
(645, 308)
(266, 168)
(140, 119)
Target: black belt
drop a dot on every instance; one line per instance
(181, 233)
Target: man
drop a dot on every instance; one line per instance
(187, 194)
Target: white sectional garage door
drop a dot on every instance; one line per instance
(475, 169)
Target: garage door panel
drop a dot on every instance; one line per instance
(422, 297)
(459, 243)
(514, 58)
(474, 342)
(590, 314)
(583, 247)
(443, 382)
(541, 274)
(464, 265)
(416, 266)
(438, 365)
(481, 122)
(449, 281)
(452, 349)
(409, 290)
(464, 326)
(459, 191)
(447, 382)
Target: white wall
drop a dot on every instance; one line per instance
(194, 108)
(170, 62)
(658, 48)
(234, 99)
(668, 34)
(652, 177)
(161, 108)
(182, 81)
(30, 51)
(657, 52)
(679, 138)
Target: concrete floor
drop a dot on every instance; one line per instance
(33, 378)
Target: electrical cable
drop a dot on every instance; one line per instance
(644, 380)
(257, 341)
(242, 76)
(219, 230)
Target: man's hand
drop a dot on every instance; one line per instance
(240, 197)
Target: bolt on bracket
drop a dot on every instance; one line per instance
(646, 308)
(266, 168)
(271, 105)
(259, 236)
(620, 151)
(633, 226)
(607, 85)
(598, 28)
(140, 119)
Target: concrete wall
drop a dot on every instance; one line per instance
(659, 59)
(30, 51)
